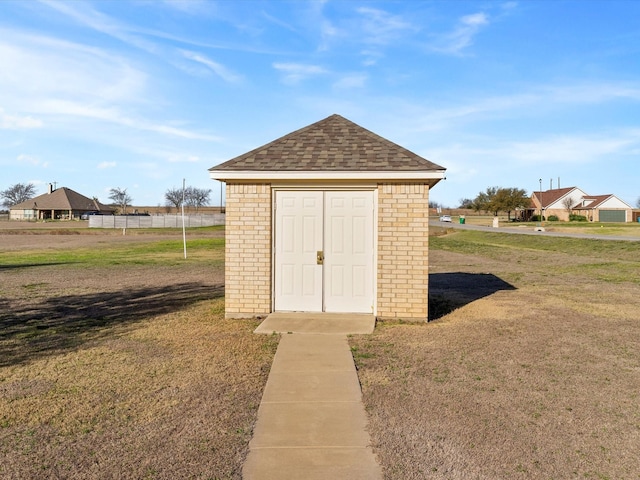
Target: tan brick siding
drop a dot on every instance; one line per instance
(248, 250)
(403, 251)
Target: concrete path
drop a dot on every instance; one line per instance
(311, 421)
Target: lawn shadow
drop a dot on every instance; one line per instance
(30, 265)
(59, 324)
(450, 291)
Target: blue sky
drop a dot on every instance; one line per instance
(141, 94)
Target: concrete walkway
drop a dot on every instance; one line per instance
(311, 421)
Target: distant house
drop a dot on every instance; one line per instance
(60, 204)
(562, 202)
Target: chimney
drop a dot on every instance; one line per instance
(50, 188)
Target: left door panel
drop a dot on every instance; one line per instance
(298, 239)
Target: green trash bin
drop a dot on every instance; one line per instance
(461, 220)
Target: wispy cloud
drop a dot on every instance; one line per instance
(18, 122)
(570, 149)
(529, 101)
(220, 70)
(381, 27)
(462, 36)
(36, 67)
(357, 80)
(54, 83)
(191, 7)
(83, 13)
(31, 160)
(104, 165)
(113, 115)
(296, 72)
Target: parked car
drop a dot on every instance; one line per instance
(86, 215)
(445, 218)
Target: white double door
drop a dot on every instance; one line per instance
(324, 251)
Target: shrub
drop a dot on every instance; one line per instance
(536, 218)
(553, 218)
(577, 218)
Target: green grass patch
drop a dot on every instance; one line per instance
(501, 245)
(167, 252)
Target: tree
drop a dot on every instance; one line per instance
(638, 203)
(121, 198)
(511, 199)
(197, 197)
(466, 203)
(17, 193)
(193, 197)
(567, 203)
(497, 199)
(173, 197)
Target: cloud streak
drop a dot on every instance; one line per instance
(17, 122)
(462, 36)
(217, 68)
(294, 73)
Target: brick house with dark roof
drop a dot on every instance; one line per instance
(60, 204)
(562, 202)
(329, 218)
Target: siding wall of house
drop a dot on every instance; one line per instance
(403, 251)
(248, 250)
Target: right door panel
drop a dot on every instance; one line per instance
(349, 252)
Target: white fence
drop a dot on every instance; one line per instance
(154, 221)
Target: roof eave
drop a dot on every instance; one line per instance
(252, 175)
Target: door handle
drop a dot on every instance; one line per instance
(320, 257)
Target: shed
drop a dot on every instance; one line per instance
(329, 218)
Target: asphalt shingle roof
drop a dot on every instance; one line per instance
(61, 199)
(332, 144)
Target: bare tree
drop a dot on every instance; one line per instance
(173, 197)
(197, 197)
(17, 193)
(567, 203)
(193, 197)
(638, 203)
(121, 198)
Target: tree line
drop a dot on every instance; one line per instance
(498, 199)
(192, 196)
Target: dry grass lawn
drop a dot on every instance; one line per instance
(126, 369)
(531, 370)
(116, 361)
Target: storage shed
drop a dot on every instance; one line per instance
(329, 218)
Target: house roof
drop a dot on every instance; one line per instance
(551, 196)
(594, 201)
(61, 199)
(335, 146)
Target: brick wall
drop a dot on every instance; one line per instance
(403, 251)
(403, 255)
(248, 250)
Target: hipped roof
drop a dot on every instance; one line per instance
(61, 199)
(334, 146)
